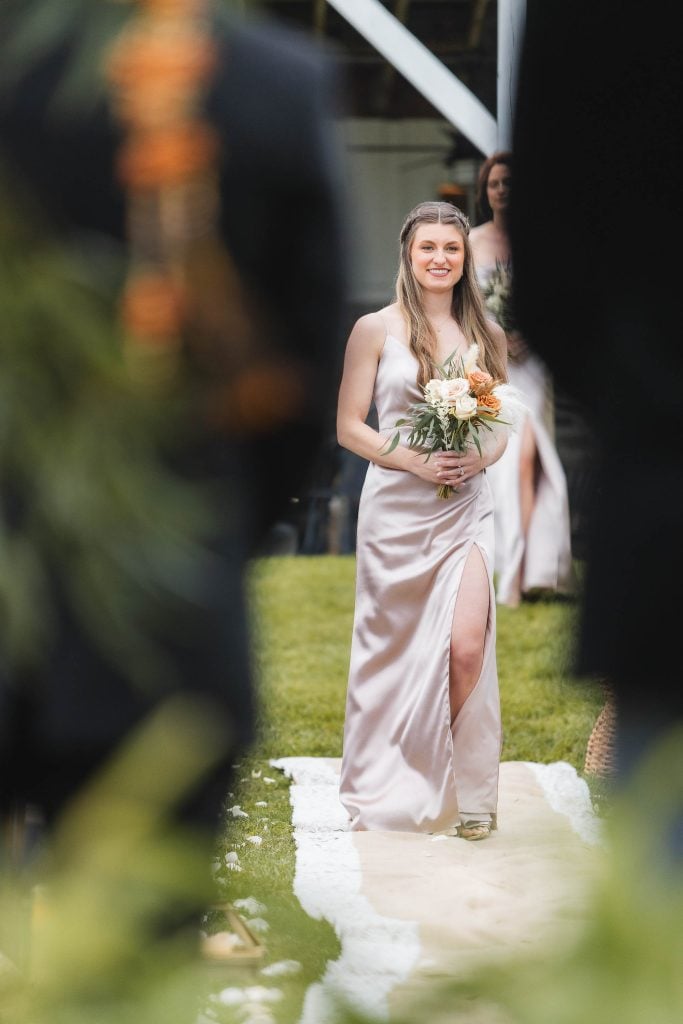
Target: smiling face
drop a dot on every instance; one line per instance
(498, 187)
(437, 256)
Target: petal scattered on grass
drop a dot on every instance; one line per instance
(232, 861)
(252, 994)
(281, 968)
(237, 812)
(261, 994)
(257, 924)
(250, 906)
(258, 1015)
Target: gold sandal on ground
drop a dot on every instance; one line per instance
(473, 830)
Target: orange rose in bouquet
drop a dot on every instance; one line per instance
(490, 403)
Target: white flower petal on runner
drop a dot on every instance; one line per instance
(377, 952)
(569, 795)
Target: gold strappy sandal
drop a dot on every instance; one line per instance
(474, 830)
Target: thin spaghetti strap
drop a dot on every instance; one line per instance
(384, 325)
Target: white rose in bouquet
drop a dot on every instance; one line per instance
(465, 407)
(454, 388)
(433, 391)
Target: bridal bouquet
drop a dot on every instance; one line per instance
(497, 293)
(462, 404)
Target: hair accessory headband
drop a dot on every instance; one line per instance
(437, 207)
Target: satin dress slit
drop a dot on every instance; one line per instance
(404, 766)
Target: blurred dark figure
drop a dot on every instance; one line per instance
(315, 519)
(348, 487)
(272, 100)
(598, 157)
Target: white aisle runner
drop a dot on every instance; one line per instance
(411, 908)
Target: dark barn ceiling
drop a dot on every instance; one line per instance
(461, 33)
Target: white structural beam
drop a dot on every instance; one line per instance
(414, 61)
(511, 15)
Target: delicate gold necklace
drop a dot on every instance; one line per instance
(443, 322)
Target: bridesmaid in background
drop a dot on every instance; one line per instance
(532, 523)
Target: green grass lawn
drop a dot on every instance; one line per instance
(302, 613)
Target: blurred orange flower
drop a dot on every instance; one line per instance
(167, 156)
(489, 403)
(259, 397)
(174, 7)
(152, 307)
(176, 58)
(480, 382)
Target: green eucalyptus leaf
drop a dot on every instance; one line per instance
(391, 444)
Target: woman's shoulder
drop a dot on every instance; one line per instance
(368, 333)
(369, 322)
(393, 320)
(481, 232)
(376, 325)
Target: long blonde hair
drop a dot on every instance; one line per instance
(467, 307)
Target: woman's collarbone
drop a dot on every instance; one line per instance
(450, 344)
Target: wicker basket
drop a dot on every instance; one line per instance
(600, 752)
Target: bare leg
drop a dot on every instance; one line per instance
(469, 631)
(468, 638)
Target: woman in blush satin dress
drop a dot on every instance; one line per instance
(533, 534)
(422, 732)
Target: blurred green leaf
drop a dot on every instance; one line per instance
(85, 475)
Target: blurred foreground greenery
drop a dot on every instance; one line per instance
(89, 495)
(96, 957)
(100, 922)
